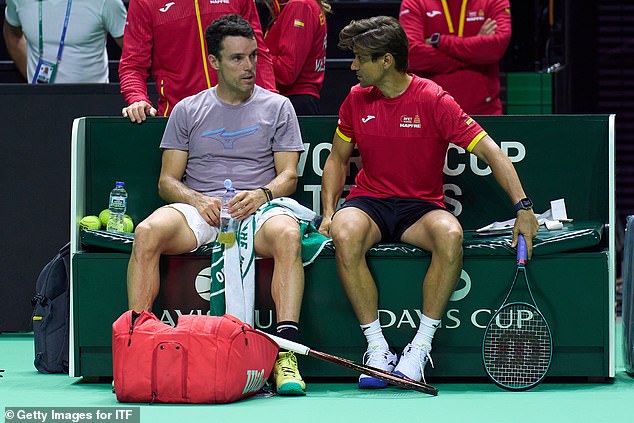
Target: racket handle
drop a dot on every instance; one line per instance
(289, 345)
(522, 251)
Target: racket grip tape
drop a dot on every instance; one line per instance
(522, 250)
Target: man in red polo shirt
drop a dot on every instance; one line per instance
(402, 125)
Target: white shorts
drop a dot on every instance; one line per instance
(205, 233)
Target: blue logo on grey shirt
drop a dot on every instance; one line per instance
(229, 138)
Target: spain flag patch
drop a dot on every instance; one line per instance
(298, 23)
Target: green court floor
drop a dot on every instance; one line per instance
(22, 386)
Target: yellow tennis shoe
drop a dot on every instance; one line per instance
(288, 381)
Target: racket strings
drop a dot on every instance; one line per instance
(517, 346)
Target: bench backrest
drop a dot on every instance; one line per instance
(556, 156)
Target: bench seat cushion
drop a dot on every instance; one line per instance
(574, 236)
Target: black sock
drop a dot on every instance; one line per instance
(287, 330)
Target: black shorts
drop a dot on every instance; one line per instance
(392, 215)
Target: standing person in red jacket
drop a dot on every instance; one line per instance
(167, 39)
(297, 41)
(458, 44)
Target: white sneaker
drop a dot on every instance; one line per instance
(380, 357)
(413, 361)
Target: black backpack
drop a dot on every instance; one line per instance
(51, 314)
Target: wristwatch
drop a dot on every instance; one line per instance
(523, 204)
(434, 39)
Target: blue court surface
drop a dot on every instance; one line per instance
(23, 386)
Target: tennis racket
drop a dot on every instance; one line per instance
(517, 344)
(380, 374)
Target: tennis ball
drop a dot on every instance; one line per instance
(103, 216)
(128, 224)
(90, 222)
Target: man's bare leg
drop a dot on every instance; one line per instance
(164, 232)
(279, 238)
(354, 233)
(440, 233)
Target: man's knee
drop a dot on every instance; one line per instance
(346, 234)
(350, 243)
(146, 239)
(287, 242)
(450, 245)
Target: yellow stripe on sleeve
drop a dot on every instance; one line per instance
(342, 136)
(476, 140)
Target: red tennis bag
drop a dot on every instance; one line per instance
(204, 359)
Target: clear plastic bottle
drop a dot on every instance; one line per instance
(228, 224)
(117, 206)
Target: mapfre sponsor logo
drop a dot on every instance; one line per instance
(410, 122)
(218, 1)
(474, 16)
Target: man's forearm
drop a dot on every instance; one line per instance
(174, 191)
(506, 176)
(283, 184)
(333, 180)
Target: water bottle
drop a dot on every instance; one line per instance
(117, 206)
(228, 224)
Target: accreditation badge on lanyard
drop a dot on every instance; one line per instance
(44, 72)
(45, 69)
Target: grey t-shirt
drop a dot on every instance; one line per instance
(235, 142)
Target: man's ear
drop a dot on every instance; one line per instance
(213, 61)
(388, 60)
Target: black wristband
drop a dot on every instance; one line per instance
(268, 193)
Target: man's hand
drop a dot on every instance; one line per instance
(525, 224)
(138, 111)
(209, 209)
(324, 226)
(245, 203)
(488, 27)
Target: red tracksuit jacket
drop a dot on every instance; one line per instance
(167, 38)
(464, 64)
(297, 42)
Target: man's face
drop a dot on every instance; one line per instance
(369, 72)
(235, 64)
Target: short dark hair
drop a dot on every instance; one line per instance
(377, 36)
(226, 26)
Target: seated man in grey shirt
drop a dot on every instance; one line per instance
(234, 130)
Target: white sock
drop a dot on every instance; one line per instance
(374, 334)
(426, 330)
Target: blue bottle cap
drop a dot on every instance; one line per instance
(228, 184)
(119, 184)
